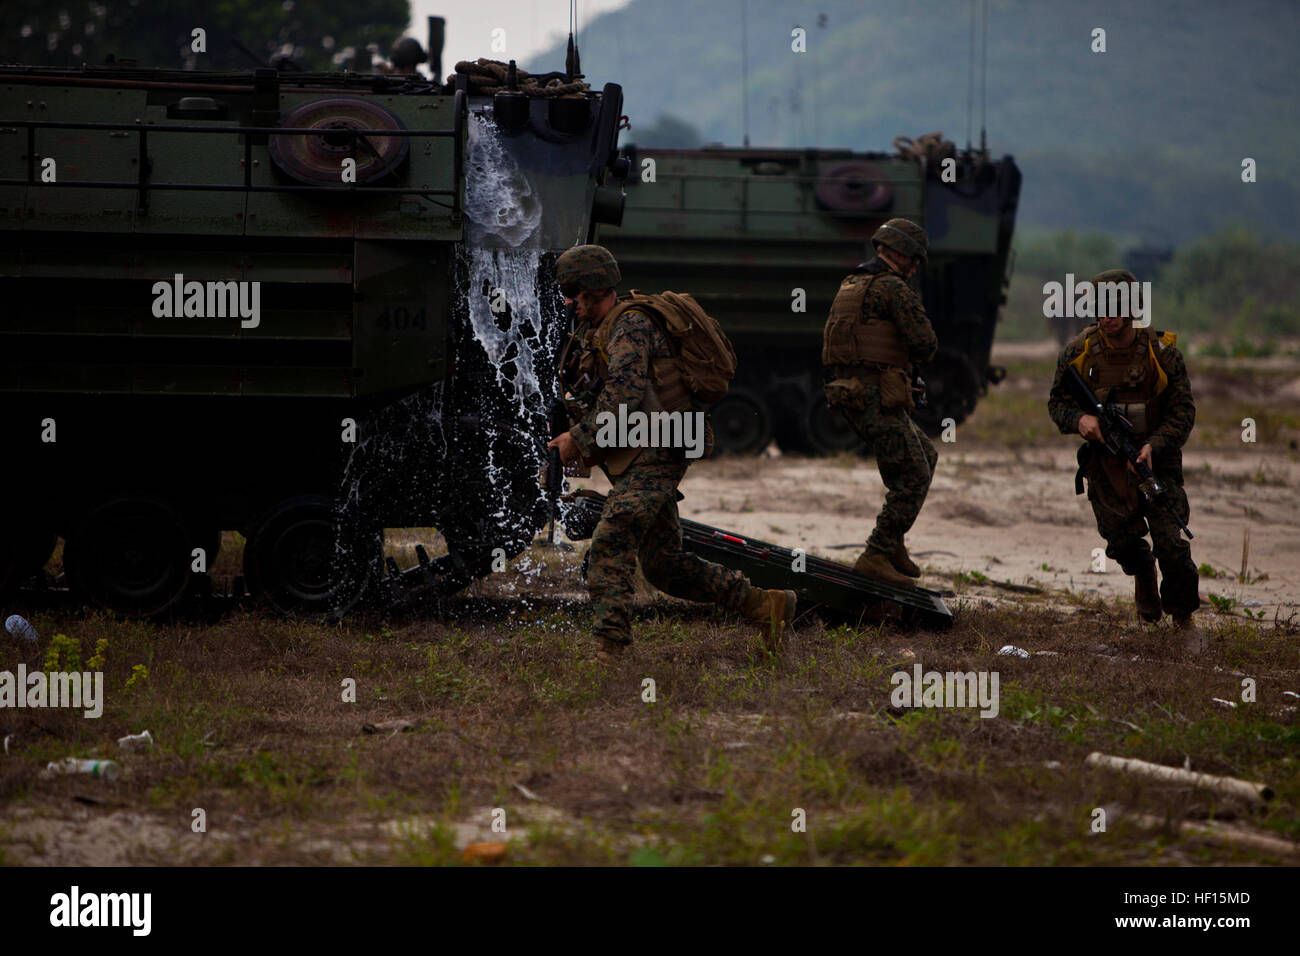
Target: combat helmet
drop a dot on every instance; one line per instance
(406, 52)
(904, 237)
(1114, 275)
(587, 267)
(1120, 276)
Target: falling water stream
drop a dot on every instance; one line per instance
(488, 424)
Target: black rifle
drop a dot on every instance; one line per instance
(1117, 435)
(559, 423)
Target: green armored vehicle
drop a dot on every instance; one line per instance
(762, 238)
(305, 307)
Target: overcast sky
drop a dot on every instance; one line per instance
(530, 25)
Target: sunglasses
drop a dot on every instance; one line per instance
(570, 290)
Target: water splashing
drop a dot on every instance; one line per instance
(501, 257)
(501, 207)
(467, 456)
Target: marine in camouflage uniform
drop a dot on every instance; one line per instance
(1147, 376)
(877, 330)
(623, 348)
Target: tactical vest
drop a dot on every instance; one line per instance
(853, 339)
(1130, 377)
(585, 361)
(591, 363)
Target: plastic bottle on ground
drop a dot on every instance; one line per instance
(99, 769)
(136, 742)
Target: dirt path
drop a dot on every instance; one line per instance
(1013, 517)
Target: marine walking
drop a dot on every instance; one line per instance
(1140, 374)
(877, 332)
(621, 356)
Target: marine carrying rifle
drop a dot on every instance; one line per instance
(1117, 435)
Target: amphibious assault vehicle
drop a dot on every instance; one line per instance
(762, 238)
(304, 307)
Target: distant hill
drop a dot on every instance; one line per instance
(1145, 139)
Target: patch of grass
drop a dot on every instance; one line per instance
(425, 844)
(1013, 414)
(1221, 603)
(969, 577)
(250, 726)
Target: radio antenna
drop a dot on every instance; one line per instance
(970, 75)
(744, 70)
(984, 76)
(571, 65)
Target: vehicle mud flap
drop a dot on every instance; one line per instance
(431, 581)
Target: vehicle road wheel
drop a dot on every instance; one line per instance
(828, 433)
(741, 423)
(130, 555)
(787, 403)
(298, 560)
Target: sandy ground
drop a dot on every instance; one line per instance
(1013, 517)
(1011, 514)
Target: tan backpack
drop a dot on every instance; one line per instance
(704, 355)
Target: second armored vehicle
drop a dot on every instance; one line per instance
(762, 238)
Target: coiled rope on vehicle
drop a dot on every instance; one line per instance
(487, 77)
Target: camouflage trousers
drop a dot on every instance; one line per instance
(906, 459)
(640, 520)
(1125, 522)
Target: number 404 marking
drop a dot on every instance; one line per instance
(399, 318)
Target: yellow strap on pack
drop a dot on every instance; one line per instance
(1080, 361)
(1166, 340)
(1162, 380)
